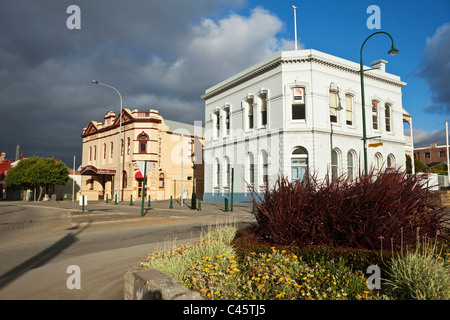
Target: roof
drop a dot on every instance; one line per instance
(298, 56)
(192, 129)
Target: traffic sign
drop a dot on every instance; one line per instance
(144, 169)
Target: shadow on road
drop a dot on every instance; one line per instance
(41, 258)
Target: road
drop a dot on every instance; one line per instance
(38, 242)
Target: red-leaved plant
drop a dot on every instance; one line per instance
(393, 208)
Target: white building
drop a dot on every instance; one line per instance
(295, 112)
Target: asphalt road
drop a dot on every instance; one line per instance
(39, 242)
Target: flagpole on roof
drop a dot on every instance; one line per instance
(295, 25)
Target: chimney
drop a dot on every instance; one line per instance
(380, 65)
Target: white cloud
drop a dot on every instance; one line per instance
(424, 138)
(225, 47)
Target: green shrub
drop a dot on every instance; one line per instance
(420, 274)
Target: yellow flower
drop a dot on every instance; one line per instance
(283, 251)
(206, 269)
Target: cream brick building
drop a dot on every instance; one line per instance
(145, 136)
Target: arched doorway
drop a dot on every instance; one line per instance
(299, 164)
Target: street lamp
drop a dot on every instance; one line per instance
(119, 144)
(393, 51)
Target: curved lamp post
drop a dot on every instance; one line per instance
(393, 51)
(119, 146)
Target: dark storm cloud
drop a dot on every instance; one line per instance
(46, 97)
(158, 54)
(436, 70)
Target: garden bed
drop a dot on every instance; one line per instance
(315, 240)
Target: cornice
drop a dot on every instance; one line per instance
(280, 61)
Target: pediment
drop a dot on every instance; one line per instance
(126, 116)
(91, 128)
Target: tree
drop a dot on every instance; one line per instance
(37, 172)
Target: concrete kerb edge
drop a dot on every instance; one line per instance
(152, 284)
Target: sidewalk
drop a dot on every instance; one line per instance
(96, 211)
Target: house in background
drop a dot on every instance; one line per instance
(431, 155)
(299, 112)
(173, 148)
(8, 193)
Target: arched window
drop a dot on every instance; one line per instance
(90, 153)
(264, 169)
(143, 139)
(128, 146)
(112, 148)
(335, 163)
(227, 167)
(378, 162)
(216, 175)
(351, 156)
(104, 151)
(299, 164)
(161, 180)
(124, 179)
(251, 169)
(390, 162)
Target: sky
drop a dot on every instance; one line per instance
(164, 54)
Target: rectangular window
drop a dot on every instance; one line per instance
(333, 106)
(349, 109)
(442, 154)
(217, 114)
(250, 114)
(227, 120)
(427, 155)
(375, 115)
(298, 104)
(263, 110)
(387, 116)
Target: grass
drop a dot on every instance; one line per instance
(177, 260)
